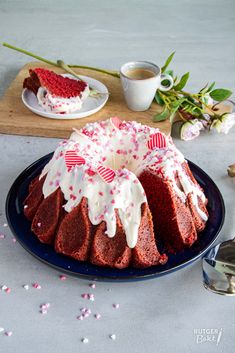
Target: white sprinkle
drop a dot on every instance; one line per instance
(26, 206)
(26, 286)
(80, 317)
(92, 285)
(5, 225)
(97, 316)
(43, 311)
(14, 240)
(84, 340)
(1, 329)
(39, 224)
(4, 287)
(113, 337)
(116, 306)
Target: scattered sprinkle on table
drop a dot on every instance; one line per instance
(8, 333)
(1, 329)
(26, 286)
(113, 337)
(63, 277)
(36, 285)
(5, 225)
(116, 306)
(84, 340)
(3, 287)
(44, 308)
(8, 290)
(97, 316)
(92, 285)
(2, 236)
(14, 240)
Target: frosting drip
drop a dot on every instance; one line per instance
(125, 149)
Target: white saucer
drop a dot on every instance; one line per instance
(89, 107)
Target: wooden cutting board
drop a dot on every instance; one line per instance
(16, 119)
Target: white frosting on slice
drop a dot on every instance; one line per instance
(51, 103)
(125, 149)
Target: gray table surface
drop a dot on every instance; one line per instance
(159, 315)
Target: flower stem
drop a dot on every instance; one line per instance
(108, 72)
(29, 54)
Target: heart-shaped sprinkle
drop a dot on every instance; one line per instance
(107, 174)
(157, 140)
(116, 121)
(72, 159)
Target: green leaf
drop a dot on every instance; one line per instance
(161, 116)
(220, 94)
(180, 85)
(168, 61)
(211, 87)
(170, 72)
(204, 89)
(159, 99)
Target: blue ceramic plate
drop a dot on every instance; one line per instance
(20, 227)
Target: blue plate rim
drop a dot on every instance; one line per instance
(111, 278)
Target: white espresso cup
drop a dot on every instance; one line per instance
(139, 92)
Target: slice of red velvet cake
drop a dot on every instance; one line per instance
(56, 93)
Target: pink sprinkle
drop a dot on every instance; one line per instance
(39, 224)
(8, 333)
(36, 285)
(84, 295)
(85, 315)
(2, 236)
(92, 285)
(14, 240)
(101, 193)
(45, 306)
(8, 290)
(43, 311)
(80, 317)
(91, 297)
(63, 277)
(97, 316)
(113, 202)
(116, 306)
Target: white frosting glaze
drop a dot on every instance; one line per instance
(60, 105)
(124, 150)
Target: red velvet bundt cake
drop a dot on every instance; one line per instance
(112, 193)
(56, 93)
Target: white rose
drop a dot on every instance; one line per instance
(191, 130)
(225, 123)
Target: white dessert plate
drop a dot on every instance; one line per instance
(90, 106)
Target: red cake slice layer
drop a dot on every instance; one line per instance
(75, 233)
(145, 253)
(55, 84)
(34, 198)
(172, 219)
(46, 219)
(112, 252)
